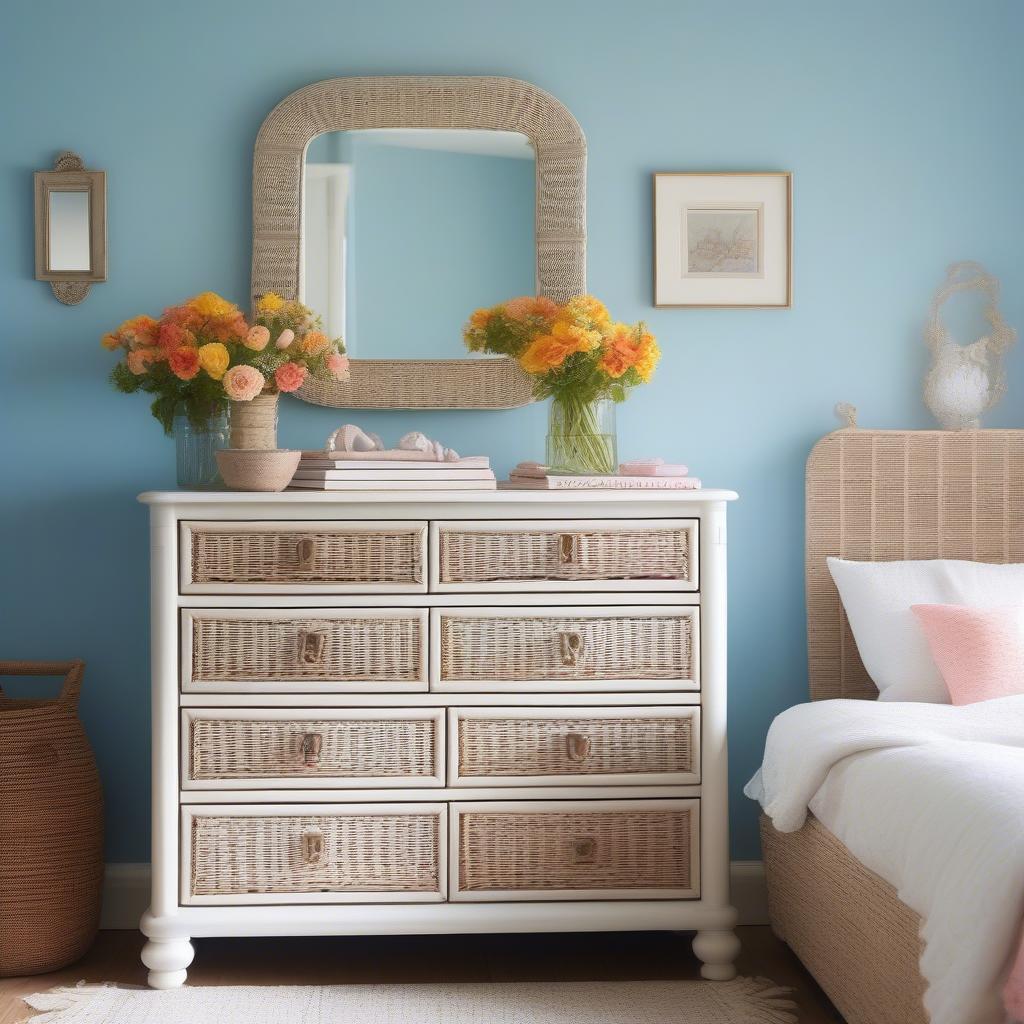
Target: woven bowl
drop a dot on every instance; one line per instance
(245, 469)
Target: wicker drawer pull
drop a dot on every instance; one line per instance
(312, 644)
(584, 851)
(577, 747)
(571, 645)
(568, 548)
(306, 551)
(312, 847)
(312, 745)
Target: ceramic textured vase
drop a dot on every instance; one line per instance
(581, 436)
(196, 449)
(254, 424)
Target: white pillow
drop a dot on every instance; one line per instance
(877, 597)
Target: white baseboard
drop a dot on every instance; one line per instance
(126, 893)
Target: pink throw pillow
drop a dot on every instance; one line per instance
(979, 651)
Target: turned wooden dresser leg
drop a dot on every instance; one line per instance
(717, 950)
(167, 962)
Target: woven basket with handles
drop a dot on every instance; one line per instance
(51, 826)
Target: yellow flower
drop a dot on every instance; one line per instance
(110, 342)
(576, 338)
(210, 304)
(648, 358)
(271, 302)
(589, 308)
(314, 342)
(214, 359)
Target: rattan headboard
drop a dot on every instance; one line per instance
(883, 495)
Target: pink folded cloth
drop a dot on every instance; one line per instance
(652, 467)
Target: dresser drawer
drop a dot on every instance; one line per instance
(313, 853)
(575, 849)
(300, 748)
(303, 557)
(546, 746)
(564, 649)
(303, 650)
(566, 555)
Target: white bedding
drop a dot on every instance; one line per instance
(931, 798)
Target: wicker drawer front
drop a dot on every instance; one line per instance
(565, 649)
(301, 557)
(323, 853)
(546, 746)
(282, 748)
(582, 849)
(652, 554)
(350, 650)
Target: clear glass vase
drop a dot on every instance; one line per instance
(581, 436)
(196, 448)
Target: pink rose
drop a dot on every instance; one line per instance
(285, 338)
(243, 383)
(337, 365)
(290, 376)
(257, 337)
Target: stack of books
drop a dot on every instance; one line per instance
(643, 474)
(361, 471)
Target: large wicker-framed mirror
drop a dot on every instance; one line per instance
(304, 165)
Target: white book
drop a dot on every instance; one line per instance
(425, 476)
(394, 485)
(372, 460)
(594, 483)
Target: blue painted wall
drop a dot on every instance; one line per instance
(902, 123)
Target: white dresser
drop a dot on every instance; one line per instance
(414, 713)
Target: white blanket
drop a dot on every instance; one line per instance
(931, 798)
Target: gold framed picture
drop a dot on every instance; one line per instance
(723, 239)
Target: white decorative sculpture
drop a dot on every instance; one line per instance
(417, 442)
(966, 381)
(350, 441)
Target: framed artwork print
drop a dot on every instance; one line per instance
(723, 239)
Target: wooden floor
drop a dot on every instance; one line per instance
(482, 958)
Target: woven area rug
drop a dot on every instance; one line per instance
(742, 1001)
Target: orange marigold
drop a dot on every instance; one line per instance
(229, 328)
(184, 362)
(544, 353)
(621, 349)
(480, 318)
(314, 342)
(140, 359)
(648, 356)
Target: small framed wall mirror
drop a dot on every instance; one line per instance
(71, 227)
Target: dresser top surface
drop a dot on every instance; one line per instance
(511, 498)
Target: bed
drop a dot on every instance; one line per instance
(874, 496)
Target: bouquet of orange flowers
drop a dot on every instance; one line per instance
(203, 354)
(577, 356)
(572, 348)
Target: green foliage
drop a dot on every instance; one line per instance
(200, 399)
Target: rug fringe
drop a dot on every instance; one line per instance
(57, 1001)
(771, 1001)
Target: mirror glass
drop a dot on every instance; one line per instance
(407, 231)
(68, 231)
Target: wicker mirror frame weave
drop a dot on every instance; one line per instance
(347, 104)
